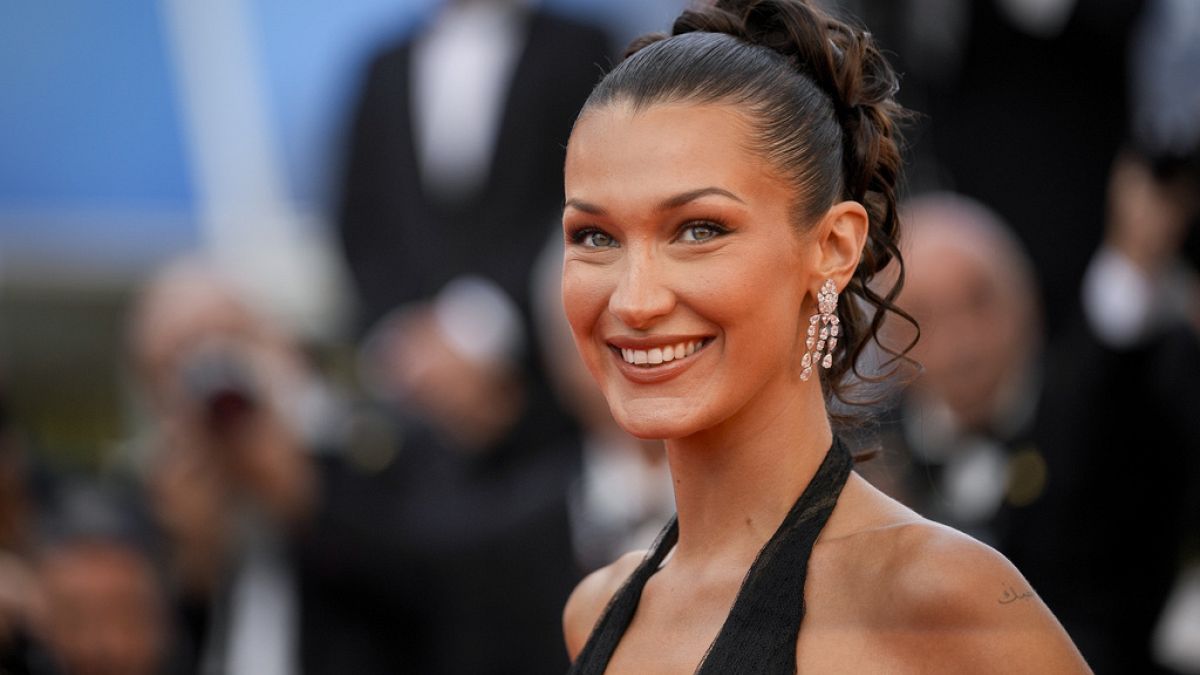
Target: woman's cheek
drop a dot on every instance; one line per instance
(584, 300)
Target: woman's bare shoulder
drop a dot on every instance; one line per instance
(951, 602)
(942, 573)
(952, 592)
(591, 596)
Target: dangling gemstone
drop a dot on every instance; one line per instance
(834, 330)
(808, 344)
(828, 361)
(807, 373)
(824, 333)
(832, 343)
(807, 360)
(820, 346)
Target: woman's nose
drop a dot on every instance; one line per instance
(642, 294)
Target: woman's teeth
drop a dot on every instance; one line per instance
(653, 357)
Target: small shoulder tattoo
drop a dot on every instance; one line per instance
(1011, 595)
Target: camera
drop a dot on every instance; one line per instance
(220, 379)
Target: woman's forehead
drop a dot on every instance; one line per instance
(660, 127)
(617, 151)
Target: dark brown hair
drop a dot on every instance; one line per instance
(821, 98)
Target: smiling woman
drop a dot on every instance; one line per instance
(723, 186)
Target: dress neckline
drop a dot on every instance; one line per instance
(759, 633)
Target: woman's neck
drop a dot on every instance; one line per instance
(734, 483)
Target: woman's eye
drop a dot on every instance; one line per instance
(592, 238)
(700, 232)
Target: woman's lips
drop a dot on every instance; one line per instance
(653, 360)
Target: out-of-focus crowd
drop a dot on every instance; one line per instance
(426, 503)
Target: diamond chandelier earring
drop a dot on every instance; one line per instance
(823, 331)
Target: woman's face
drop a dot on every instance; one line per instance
(684, 277)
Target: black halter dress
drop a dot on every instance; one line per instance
(759, 635)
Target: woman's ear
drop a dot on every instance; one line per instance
(840, 237)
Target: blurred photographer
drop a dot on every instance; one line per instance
(232, 409)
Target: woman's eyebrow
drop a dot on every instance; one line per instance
(667, 204)
(586, 207)
(692, 195)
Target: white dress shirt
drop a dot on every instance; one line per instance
(462, 68)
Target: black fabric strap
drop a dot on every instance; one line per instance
(601, 644)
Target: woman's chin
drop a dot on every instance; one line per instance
(655, 422)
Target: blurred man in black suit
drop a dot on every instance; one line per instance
(452, 180)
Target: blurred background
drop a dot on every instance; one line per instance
(285, 386)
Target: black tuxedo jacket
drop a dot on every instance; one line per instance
(401, 242)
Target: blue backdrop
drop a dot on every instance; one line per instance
(94, 160)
